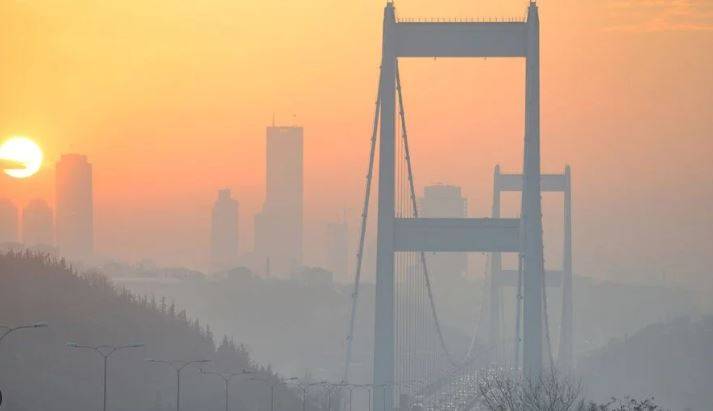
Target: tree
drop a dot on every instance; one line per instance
(626, 404)
(501, 390)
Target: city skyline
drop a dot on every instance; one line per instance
(368, 206)
(618, 83)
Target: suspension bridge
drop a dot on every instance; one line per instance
(413, 366)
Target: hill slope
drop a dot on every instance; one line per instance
(39, 372)
(672, 362)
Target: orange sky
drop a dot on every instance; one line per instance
(170, 100)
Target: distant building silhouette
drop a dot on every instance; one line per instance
(37, 224)
(278, 227)
(337, 250)
(8, 222)
(445, 201)
(75, 209)
(224, 231)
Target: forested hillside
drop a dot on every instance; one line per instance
(38, 371)
(671, 361)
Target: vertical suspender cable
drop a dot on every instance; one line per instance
(415, 215)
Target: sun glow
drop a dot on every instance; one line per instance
(23, 151)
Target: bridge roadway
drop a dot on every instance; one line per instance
(457, 391)
(459, 394)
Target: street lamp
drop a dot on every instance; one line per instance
(8, 329)
(105, 351)
(226, 377)
(178, 366)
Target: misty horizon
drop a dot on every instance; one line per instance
(662, 150)
(536, 215)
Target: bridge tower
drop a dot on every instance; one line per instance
(523, 235)
(499, 278)
(565, 357)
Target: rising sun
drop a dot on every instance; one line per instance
(22, 152)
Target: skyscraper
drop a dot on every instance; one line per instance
(278, 227)
(337, 249)
(224, 231)
(445, 201)
(75, 209)
(37, 224)
(8, 222)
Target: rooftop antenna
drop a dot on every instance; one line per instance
(273, 119)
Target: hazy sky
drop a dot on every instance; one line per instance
(170, 101)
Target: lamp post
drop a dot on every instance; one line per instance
(178, 366)
(9, 329)
(226, 377)
(105, 351)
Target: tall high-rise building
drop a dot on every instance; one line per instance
(224, 231)
(8, 221)
(74, 216)
(445, 201)
(37, 224)
(337, 249)
(278, 227)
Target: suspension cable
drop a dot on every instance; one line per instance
(362, 235)
(434, 313)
